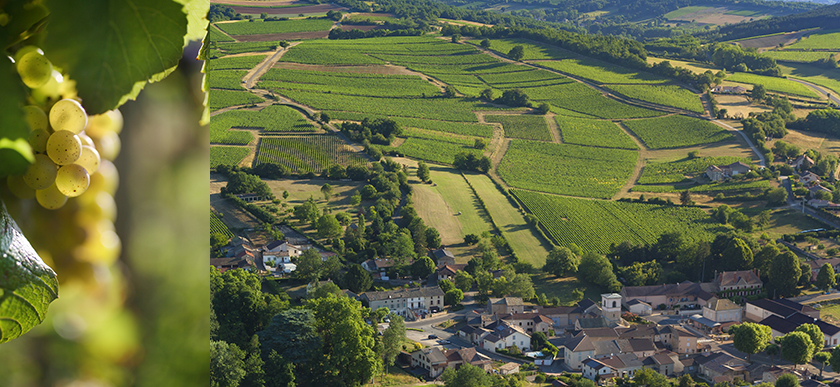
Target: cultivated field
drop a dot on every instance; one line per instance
(823, 40)
(773, 84)
(227, 155)
(529, 127)
(217, 226)
(600, 133)
(667, 95)
(307, 153)
(220, 99)
(602, 72)
(275, 27)
(676, 131)
(677, 170)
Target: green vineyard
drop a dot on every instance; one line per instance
(307, 154)
(217, 226)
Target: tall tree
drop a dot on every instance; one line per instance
(649, 378)
(432, 238)
(467, 375)
(738, 255)
(825, 278)
(309, 265)
(392, 339)
(516, 53)
(423, 171)
(764, 258)
(787, 380)
(328, 226)
(453, 297)
(750, 338)
(784, 274)
(797, 347)
(327, 191)
(822, 358)
(240, 306)
(227, 364)
(816, 335)
(348, 352)
(834, 362)
(357, 279)
(293, 337)
(422, 267)
(597, 269)
(279, 372)
(464, 280)
(685, 198)
(561, 262)
(254, 365)
(307, 212)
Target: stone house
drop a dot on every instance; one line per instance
(722, 310)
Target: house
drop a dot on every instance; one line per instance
(430, 359)
(809, 178)
(227, 263)
(589, 323)
(817, 264)
(285, 268)
(639, 307)
(721, 366)
(379, 267)
(729, 90)
(758, 310)
(780, 326)
(684, 341)
(284, 247)
(448, 271)
(530, 322)
(722, 310)
(404, 301)
(506, 336)
(720, 172)
(509, 368)
(576, 350)
(597, 370)
(819, 203)
(803, 161)
(683, 294)
(456, 357)
(772, 374)
(250, 197)
(559, 315)
(816, 189)
(661, 363)
(443, 256)
(505, 305)
(705, 324)
(616, 366)
(738, 283)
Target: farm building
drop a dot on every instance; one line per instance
(802, 161)
(729, 90)
(720, 172)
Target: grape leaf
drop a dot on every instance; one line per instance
(27, 284)
(107, 46)
(15, 152)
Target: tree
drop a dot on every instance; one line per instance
(392, 339)
(522, 286)
(309, 265)
(446, 285)
(240, 306)
(834, 362)
(685, 198)
(544, 108)
(484, 164)
(758, 93)
(327, 191)
(307, 212)
(561, 262)
(822, 358)
(538, 340)
(784, 274)
(485, 43)
(816, 335)
(279, 372)
(423, 171)
(464, 280)
(471, 239)
(328, 226)
(486, 94)
(325, 118)
(449, 91)
(422, 267)
(750, 338)
(254, 365)
(227, 364)
(467, 375)
(797, 347)
(516, 53)
(740, 221)
(453, 297)
(348, 352)
(357, 279)
(787, 380)
(432, 238)
(826, 278)
(772, 351)
(686, 381)
(649, 378)
(597, 269)
(513, 98)
(368, 192)
(292, 335)
(738, 255)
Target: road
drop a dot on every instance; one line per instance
(747, 139)
(819, 89)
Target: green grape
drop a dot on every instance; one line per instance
(49, 91)
(86, 140)
(95, 206)
(72, 180)
(108, 145)
(35, 117)
(25, 50)
(68, 114)
(50, 198)
(89, 159)
(110, 121)
(34, 69)
(41, 173)
(105, 179)
(64, 147)
(38, 140)
(19, 187)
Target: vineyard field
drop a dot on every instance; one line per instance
(567, 169)
(434, 150)
(529, 127)
(214, 35)
(274, 118)
(227, 155)
(219, 99)
(773, 84)
(217, 226)
(308, 153)
(676, 131)
(477, 130)
(602, 72)
(732, 186)
(799, 56)
(242, 47)
(533, 51)
(600, 133)
(437, 136)
(275, 27)
(225, 79)
(234, 63)
(666, 95)
(675, 171)
(594, 225)
(580, 98)
(824, 40)
(348, 84)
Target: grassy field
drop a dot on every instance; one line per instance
(732, 186)
(529, 127)
(684, 11)
(532, 50)
(824, 40)
(594, 225)
(435, 150)
(526, 243)
(275, 27)
(234, 63)
(593, 132)
(798, 56)
(227, 155)
(274, 118)
(562, 288)
(567, 169)
(695, 67)
(580, 98)
(602, 72)
(829, 79)
(676, 131)
(439, 203)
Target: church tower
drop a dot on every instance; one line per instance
(611, 306)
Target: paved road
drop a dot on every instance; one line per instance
(819, 89)
(747, 139)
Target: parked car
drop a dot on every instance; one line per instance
(443, 342)
(432, 337)
(434, 309)
(387, 320)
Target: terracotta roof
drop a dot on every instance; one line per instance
(742, 277)
(450, 269)
(722, 304)
(510, 301)
(685, 288)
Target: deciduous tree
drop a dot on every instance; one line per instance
(750, 338)
(784, 274)
(561, 262)
(826, 278)
(392, 339)
(797, 347)
(227, 364)
(516, 53)
(816, 335)
(453, 297)
(423, 171)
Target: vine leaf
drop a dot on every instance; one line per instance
(15, 152)
(107, 46)
(27, 284)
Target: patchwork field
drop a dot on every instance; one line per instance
(220, 99)
(601, 133)
(602, 72)
(437, 150)
(773, 84)
(823, 40)
(566, 169)
(259, 27)
(676, 171)
(529, 127)
(307, 153)
(667, 95)
(227, 155)
(713, 188)
(594, 225)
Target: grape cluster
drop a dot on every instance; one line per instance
(73, 158)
